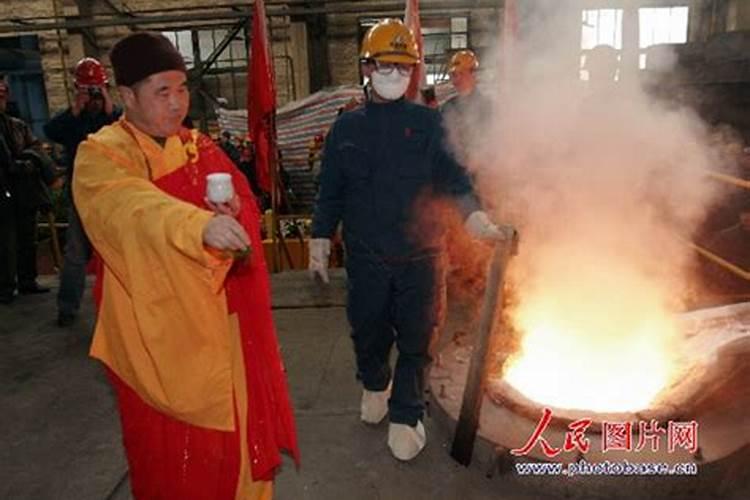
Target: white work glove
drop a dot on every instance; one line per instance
(479, 225)
(320, 250)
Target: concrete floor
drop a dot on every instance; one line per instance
(60, 434)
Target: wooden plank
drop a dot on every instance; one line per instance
(468, 420)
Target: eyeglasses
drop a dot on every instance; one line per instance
(386, 68)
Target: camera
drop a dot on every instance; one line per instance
(95, 92)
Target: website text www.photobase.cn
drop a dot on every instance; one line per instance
(606, 468)
(616, 436)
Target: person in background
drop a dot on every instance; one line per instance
(379, 161)
(602, 65)
(26, 172)
(228, 146)
(314, 157)
(462, 69)
(470, 109)
(91, 110)
(184, 323)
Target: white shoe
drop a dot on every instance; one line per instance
(406, 441)
(374, 405)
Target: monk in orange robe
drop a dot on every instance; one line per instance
(184, 322)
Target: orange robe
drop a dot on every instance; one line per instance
(176, 341)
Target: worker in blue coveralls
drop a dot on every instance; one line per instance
(378, 161)
(91, 110)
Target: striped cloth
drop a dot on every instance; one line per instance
(300, 121)
(297, 123)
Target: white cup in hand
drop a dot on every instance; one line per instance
(219, 188)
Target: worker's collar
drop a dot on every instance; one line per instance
(399, 101)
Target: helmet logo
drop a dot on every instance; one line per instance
(398, 42)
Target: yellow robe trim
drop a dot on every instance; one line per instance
(163, 325)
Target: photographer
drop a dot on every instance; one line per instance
(91, 110)
(25, 173)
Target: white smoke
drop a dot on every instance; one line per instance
(604, 174)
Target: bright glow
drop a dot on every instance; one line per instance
(596, 335)
(661, 25)
(599, 27)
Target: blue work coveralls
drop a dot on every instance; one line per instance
(378, 163)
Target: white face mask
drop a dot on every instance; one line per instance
(392, 86)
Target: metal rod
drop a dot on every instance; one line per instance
(730, 179)
(468, 420)
(734, 269)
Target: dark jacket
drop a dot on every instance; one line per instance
(25, 170)
(378, 162)
(69, 131)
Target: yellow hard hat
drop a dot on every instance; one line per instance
(463, 60)
(390, 41)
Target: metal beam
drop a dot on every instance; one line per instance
(19, 25)
(201, 68)
(116, 10)
(231, 6)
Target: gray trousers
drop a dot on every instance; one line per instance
(73, 273)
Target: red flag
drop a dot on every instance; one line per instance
(261, 97)
(418, 76)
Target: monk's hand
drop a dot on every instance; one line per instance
(223, 232)
(231, 208)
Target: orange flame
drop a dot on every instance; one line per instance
(595, 337)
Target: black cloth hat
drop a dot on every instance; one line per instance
(143, 54)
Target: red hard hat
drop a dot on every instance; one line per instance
(89, 71)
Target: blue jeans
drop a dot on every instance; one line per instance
(394, 303)
(73, 274)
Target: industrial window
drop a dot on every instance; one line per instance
(599, 27)
(661, 25)
(224, 80)
(183, 40)
(655, 25)
(21, 63)
(235, 54)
